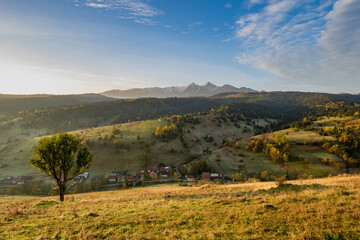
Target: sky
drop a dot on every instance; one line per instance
(81, 46)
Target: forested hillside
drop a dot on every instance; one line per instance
(17, 103)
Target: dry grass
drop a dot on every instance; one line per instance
(327, 210)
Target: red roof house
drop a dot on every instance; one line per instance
(206, 175)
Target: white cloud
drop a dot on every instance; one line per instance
(228, 5)
(255, 2)
(132, 7)
(97, 5)
(304, 41)
(146, 21)
(138, 10)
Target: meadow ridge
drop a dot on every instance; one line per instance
(326, 208)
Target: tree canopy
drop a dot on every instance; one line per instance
(62, 157)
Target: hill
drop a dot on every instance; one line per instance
(191, 90)
(237, 211)
(49, 120)
(18, 103)
(286, 107)
(218, 133)
(316, 148)
(121, 147)
(223, 145)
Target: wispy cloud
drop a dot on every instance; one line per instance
(228, 5)
(255, 2)
(195, 24)
(307, 41)
(148, 21)
(138, 10)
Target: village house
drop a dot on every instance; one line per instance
(206, 176)
(152, 170)
(216, 177)
(81, 177)
(190, 178)
(164, 172)
(139, 175)
(18, 180)
(113, 178)
(152, 174)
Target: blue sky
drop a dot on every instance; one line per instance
(77, 46)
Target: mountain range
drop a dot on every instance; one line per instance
(191, 90)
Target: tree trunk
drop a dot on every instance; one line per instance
(62, 192)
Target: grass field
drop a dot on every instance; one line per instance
(334, 121)
(299, 136)
(307, 209)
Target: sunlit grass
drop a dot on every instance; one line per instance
(327, 210)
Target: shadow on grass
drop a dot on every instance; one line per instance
(292, 188)
(45, 203)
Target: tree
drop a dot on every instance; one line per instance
(264, 176)
(62, 157)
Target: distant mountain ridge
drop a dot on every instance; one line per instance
(191, 90)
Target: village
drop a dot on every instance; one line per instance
(114, 180)
(147, 177)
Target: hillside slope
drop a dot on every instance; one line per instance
(220, 142)
(124, 150)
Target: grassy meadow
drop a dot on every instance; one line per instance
(125, 150)
(325, 208)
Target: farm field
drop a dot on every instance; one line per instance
(258, 210)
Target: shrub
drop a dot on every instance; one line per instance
(264, 176)
(281, 181)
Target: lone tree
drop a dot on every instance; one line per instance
(62, 157)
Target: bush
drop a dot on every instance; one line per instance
(264, 176)
(281, 181)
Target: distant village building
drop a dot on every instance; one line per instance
(113, 179)
(18, 180)
(206, 176)
(139, 174)
(152, 174)
(190, 178)
(81, 177)
(152, 170)
(216, 177)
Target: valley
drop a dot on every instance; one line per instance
(219, 132)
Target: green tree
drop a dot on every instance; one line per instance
(62, 157)
(264, 176)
